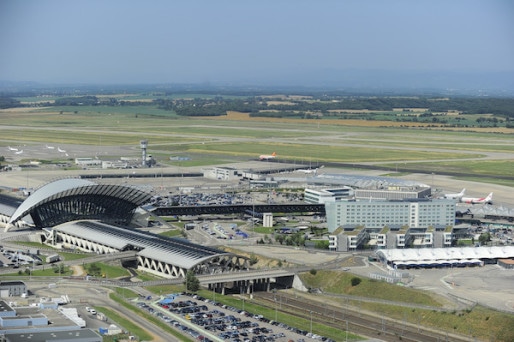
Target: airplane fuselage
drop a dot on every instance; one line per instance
(478, 200)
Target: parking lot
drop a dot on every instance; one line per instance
(207, 320)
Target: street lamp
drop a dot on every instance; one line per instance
(276, 313)
(311, 321)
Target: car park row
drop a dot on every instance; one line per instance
(207, 320)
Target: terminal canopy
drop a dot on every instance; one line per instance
(75, 199)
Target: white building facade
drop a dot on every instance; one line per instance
(378, 214)
(314, 196)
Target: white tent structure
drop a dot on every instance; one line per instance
(443, 257)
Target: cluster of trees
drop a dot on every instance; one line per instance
(296, 239)
(94, 270)
(206, 107)
(257, 106)
(90, 100)
(310, 107)
(191, 282)
(77, 101)
(8, 102)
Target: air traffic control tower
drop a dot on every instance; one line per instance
(143, 144)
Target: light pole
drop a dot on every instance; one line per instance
(276, 313)
(311, 321)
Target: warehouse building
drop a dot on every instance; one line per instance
(12, 288)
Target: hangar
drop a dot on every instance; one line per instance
(78, 213)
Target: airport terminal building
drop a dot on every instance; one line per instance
(101, 219)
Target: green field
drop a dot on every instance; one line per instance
(479, 321)
(215, 140)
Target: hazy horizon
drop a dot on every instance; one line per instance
(302, 43)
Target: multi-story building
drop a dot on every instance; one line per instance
(390, 224)
(419, 213)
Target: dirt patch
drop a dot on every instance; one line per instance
(78, 271)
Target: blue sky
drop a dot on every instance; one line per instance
(241, 41)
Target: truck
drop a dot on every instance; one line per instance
(52, 258)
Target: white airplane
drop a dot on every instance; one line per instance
(478, 200)
(267, 156)
(18, 152)
(456, 196)
(61, 150)
(315, 171)
(50, 147)
(12, 148)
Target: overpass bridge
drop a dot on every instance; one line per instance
(225, 283)
(248, 281)
(228, 283)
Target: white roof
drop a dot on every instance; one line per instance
(446, 254)
(173, 251)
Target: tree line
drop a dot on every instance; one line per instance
(258, 106)
(290, 106)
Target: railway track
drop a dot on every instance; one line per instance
(356, 322)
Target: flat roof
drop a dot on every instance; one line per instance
(446, 254)
(5, 307)
(67, 335)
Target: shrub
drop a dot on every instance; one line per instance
(356, 281)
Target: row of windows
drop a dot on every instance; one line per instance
(396, 205)
(392, 211)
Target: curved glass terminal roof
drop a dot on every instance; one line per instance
(44, 192)
(73, 198)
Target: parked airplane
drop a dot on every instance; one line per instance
(456, 196)
(12, 148)
(315, 171)
(18, 152)
(50, 147)
(267, 156)
(478, 200)
(61, 150)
